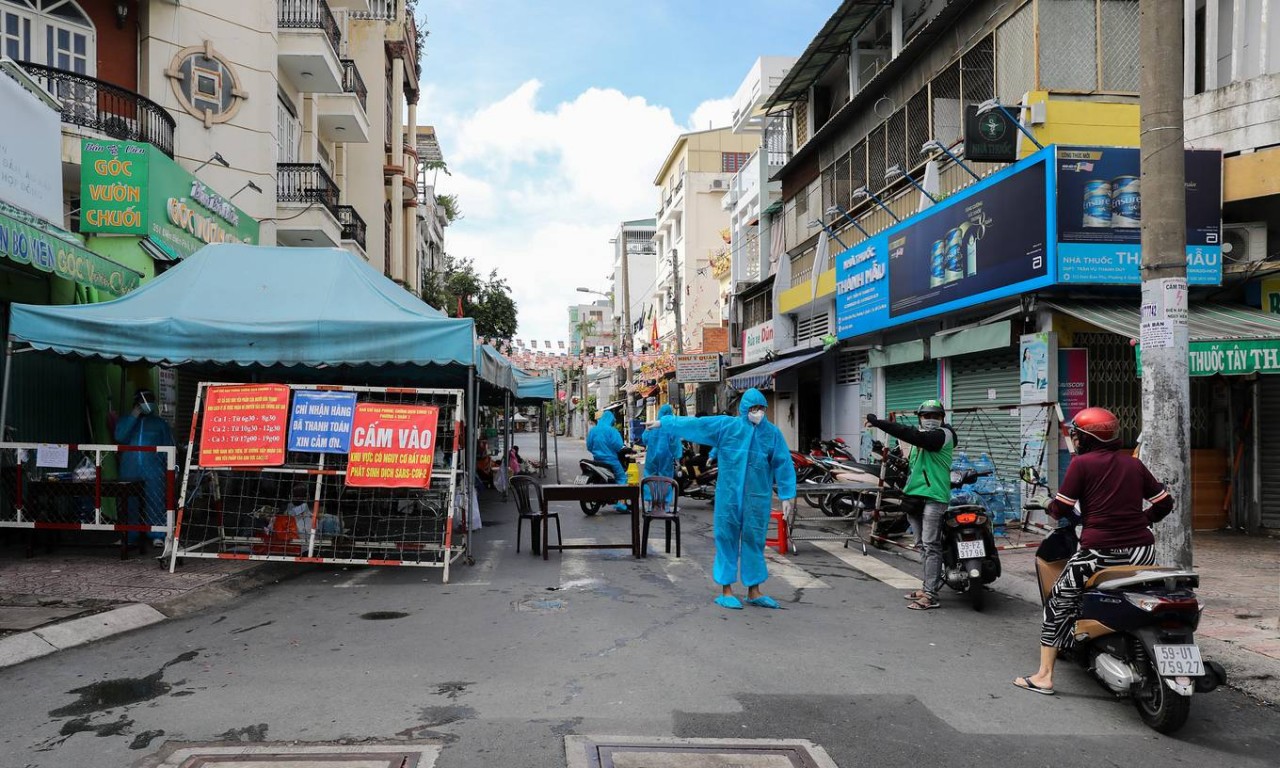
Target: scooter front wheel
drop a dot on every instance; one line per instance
(590, 507)
(1163, 710)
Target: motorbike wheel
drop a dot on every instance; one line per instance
(1160, 708)
(977, 596)
(590, 507)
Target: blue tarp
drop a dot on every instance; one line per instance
(533, 388)
(495, 368)
(257, 306)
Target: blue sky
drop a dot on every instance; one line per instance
(555, 116)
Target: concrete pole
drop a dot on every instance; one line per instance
(676, 386)
(1166, 386)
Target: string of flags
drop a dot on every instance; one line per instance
(532, 357)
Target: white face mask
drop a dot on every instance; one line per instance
(755, 417)
(931, 423)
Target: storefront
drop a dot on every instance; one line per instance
(1035, 230)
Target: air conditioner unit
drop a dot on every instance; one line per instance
(1244, 243)
(717, 184)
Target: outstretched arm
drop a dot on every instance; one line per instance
(706, 430)
(929, 440)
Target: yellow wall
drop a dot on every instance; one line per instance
(1067, 121)
(1253, 175)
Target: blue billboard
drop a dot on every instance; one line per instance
(1066, 215)
(1099, 213)
(986, 242)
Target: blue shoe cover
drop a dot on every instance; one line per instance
(730, 602)
(764, 601)
(620, 507)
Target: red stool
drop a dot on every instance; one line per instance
(779, 523)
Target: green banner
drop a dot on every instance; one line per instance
(132, 188)
(1230, 358)
(46, 251)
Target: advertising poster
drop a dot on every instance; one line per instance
(244, 426)
(1033, 369)
(1073, 394)
(990, 240)
(698, 369)
(392, 446)
(321, 421)
(1099, 212)
(986, 242)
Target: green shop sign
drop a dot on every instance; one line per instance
(27, 242)
(1231, 358)
(132, 188)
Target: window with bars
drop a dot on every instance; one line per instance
(732, 162)
(849, 367)
(814, 327)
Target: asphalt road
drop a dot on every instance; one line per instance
(516, 653)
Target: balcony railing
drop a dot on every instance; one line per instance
(352, 82)
(306, 183)
(310, 14)
(379, 10)
(110, 109)
(353, 227)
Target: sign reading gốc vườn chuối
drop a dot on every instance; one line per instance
(1034, 224)
(132, 188)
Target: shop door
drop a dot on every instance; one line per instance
(989, 382)
(906, 386)
(1267, 421)
(810, 412)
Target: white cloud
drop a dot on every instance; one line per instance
(543, 190)
(717, 113)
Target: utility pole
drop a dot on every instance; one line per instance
(628, 407)
(1166, 383)
(676, 386)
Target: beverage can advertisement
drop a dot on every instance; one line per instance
(1126, 202)
(1097, 204)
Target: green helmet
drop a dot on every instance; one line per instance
(931, 408)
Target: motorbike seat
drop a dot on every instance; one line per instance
(1100, 579)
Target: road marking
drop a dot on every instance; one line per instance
(356, 578)
(794, 576)
(575, 570)
(869, 565)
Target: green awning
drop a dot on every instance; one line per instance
(1229, 339)
(26, 239)
(896, 354)
(979, 338)
(1206, 321)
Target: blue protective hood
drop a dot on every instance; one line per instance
(606, 419)
(751, 398)
(666, 410)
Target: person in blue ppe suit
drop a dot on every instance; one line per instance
(753, 458)
(662, 449)
(143, 426)
(605, 442)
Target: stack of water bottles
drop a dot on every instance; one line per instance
(990, 491)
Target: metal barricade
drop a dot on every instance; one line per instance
(76, 487)
(304, 510)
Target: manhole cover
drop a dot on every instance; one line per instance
(298, 756)
(627, 752)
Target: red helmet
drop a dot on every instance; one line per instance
(1098, 423)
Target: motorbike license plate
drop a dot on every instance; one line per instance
(1177, 660)
(968, 550)
(580, 480)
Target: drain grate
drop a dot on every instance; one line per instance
(629, 752)
(297, 756)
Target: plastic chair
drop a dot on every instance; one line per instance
(528, 496)
(654, 492)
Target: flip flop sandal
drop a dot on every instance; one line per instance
(914, 595)
(923, 604)
(1025, 684)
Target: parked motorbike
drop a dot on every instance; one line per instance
(970, 559)
(1135, 632)
(596, 473)
(695, 481)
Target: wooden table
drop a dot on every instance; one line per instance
(605, 494)
(42, 494)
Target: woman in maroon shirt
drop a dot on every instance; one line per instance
(1110, 487)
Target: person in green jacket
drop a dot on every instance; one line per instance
(928, 490)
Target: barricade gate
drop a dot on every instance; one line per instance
(361, 500)
(79, 487)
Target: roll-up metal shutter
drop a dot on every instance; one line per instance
(1267, 419)
(906, 386)
(997, 429)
